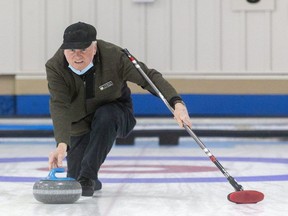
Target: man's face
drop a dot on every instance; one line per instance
(80, 58)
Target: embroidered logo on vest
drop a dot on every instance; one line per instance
(106, 85)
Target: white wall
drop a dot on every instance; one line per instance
(177, 37)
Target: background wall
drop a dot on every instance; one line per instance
(206, 48)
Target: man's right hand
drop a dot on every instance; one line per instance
(56, 157)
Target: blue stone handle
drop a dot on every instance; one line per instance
(52, 176)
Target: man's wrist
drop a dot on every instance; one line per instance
(179, 101)
(62, 146)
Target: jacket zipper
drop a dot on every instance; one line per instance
(84, 83)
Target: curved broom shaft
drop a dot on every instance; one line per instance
(231, 180)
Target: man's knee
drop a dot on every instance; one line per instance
(107, 114)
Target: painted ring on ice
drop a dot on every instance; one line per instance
(161, 180)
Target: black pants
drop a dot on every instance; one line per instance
(89, 151)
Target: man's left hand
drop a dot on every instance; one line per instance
(181, 115)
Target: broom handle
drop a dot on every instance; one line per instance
(231, 180)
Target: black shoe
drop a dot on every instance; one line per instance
(98, 185)
(87, 185)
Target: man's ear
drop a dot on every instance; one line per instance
(95, 47)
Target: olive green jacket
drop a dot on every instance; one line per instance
(71, 111)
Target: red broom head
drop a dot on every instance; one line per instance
(246, 197)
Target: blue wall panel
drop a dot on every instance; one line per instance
(29, 105)
(149, 105)
(238, 105)
(7, 105)
(218, 105)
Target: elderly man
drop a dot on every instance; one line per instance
(90, 102)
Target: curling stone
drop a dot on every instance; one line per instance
(53, 190)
